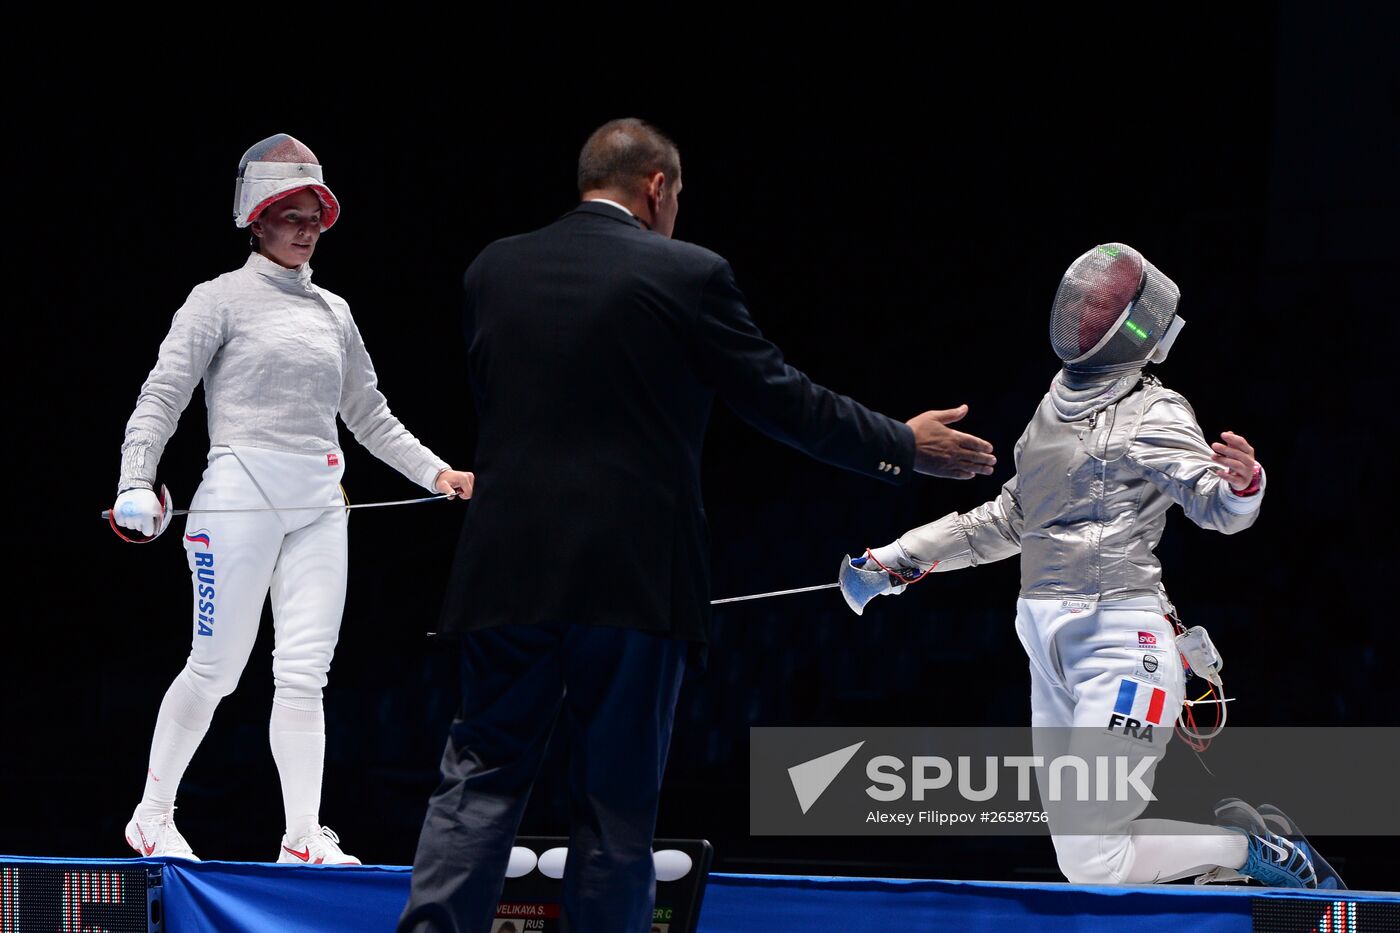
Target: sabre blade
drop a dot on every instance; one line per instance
(305, 508)
(800, 589)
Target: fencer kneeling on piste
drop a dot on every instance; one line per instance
(1109, 450)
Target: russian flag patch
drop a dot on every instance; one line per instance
(1140, 702)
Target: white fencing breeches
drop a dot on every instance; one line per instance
(1112, 667)
(236, 559)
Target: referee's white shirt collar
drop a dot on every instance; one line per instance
(614, 204)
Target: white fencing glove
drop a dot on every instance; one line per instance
(138, 509)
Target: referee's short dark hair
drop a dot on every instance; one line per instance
(621, 152)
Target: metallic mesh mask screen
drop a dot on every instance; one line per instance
(1111, 310)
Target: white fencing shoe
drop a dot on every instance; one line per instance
(321, 846)
(157, 837)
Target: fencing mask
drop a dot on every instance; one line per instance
(1113, 312)
(273, 169)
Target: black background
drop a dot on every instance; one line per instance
(898, 192)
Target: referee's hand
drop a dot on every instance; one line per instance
(941, 451)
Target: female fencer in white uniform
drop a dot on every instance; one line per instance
(1110, 449)
(279, 357)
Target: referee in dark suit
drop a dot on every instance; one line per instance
(596, 346)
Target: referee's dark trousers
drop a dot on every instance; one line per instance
(617, 688)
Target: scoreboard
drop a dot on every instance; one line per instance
(86, 898)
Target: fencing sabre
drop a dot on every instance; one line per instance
(167, 513)
(858, 586)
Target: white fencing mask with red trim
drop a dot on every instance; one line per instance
(274, 168)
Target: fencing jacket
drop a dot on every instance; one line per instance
(279, 357)
(1089, 500)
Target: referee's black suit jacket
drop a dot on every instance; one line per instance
(595, 350)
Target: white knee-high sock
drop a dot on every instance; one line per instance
(297, 733)
(1160, 856)
(183, 720)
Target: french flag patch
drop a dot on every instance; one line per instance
(1140, 702)
(332, 460)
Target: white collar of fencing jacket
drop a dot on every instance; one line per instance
(298, 277)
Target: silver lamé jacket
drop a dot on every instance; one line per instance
(1090, 497)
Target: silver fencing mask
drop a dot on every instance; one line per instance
(1114, 311)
